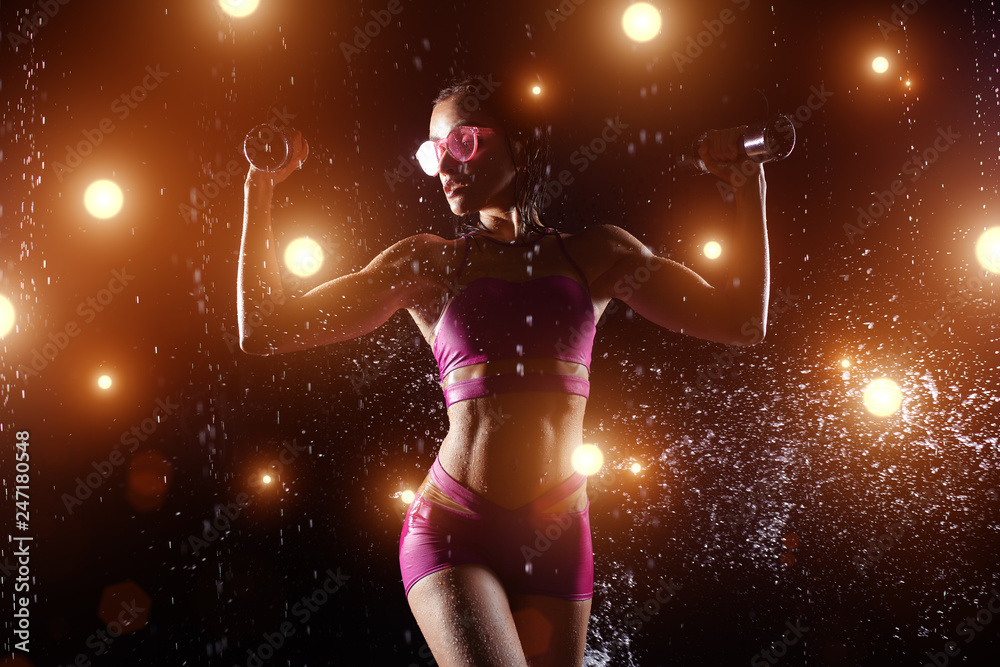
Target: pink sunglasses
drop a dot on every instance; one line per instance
(461, 143)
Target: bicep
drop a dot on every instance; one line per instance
(665, 292)
(349, 306)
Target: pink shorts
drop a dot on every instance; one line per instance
(532, 552)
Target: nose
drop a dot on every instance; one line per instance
(447, 164)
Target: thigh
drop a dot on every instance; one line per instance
(464, 615)
(553, 631)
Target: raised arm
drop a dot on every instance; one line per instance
(271, 322)
(679, 299)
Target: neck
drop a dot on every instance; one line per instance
(505, 226)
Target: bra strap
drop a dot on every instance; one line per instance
(562, 247)
(465, 260)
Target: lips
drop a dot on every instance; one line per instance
(450, 186)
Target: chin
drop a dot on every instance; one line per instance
(459, 206)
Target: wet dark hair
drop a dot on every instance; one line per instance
(501, 101)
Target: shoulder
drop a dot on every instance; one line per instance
(605, 238)
(607, 253)
(600, 246)
(412, 246)
(421, 261)
(420, 248)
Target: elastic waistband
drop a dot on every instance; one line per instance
(476, 503)
(509, 383)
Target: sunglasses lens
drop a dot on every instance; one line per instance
(462, 143)
(428, 159)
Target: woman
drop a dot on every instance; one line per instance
(510, 311)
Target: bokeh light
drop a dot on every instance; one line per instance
(880, 65)
(239, 8)
(124, 607)
(148, 480)
(845, 363)
(103, 199)
(104, 382)
(636, 467)
(6, 316)
(882, 397)
(304, 257)
(407, 496)
(988, 250)
(588, 459)
(642, 22)
(713, 250)
(536, 90)
(266, 479)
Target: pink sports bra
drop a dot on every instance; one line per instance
(491, 319)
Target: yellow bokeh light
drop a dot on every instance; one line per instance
(6, 316)
(642, 22)
(883, 397)
(845, 363)
(536, 90)
(103, 199)
(267, 479)
(239, 8)
(104, 382)
(988, 250)
(880, 65)
(713, 250)
(636, 467)
(304, 256)
(407, 496)
(588, 459)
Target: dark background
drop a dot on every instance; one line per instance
(762, 492)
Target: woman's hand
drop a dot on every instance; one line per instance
(300, 151)
(720, 151)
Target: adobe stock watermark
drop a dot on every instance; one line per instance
(779, 649)
(968, 629)
(121, 108)
(644, 613)
(543, 541)
(363, 37)
(103, 469)
(100, 641)
(802, 114)
(223, 515)
(877, 547)
(407, 163)
(753, 331)
(87, 309)
(302, 611)
(208, 191)
(954, 300)
(263, 309)
(624, 288)
(259, 312)
(914, 166)
(562, 12)
(33, 21)
(697, 44)
(900, 15)
(582, 158)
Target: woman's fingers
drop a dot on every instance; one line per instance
(722, 145)
(721, 152)
(300, 151)
(300, 148)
